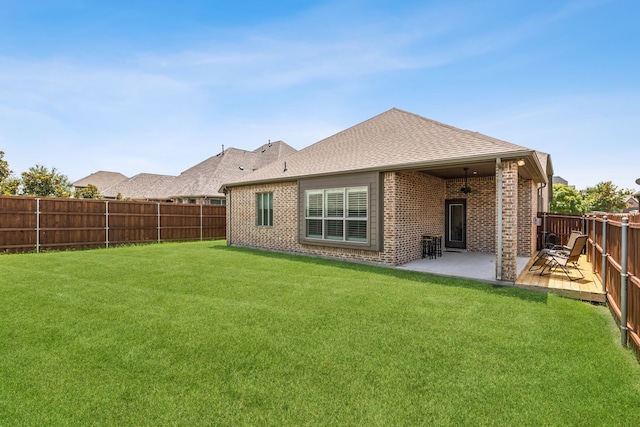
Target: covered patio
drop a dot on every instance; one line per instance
(470, 265)
(481, 266)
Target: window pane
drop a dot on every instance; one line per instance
(314, 204)
(456, 222)
(357, 230)
(264, 209)
(335, 203)
(335, 229)
(357, 203)
(260, 217)
(314, 228)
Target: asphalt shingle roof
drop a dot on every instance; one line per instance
(101, 179)
(203, 179)
(393, 139)
(141, 186)
(206, 178)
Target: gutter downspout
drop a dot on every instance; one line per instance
(499, 220)
(541, 207)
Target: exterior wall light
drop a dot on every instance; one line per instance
(520, 162)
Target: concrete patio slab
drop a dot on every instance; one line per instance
(470, 265)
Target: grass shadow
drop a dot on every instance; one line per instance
(415, 276)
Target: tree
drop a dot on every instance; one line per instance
(88, 192)
(39, 181)
(605, 197)
(566, 200)
(10, 186)
(5, 172)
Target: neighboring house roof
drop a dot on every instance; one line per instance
(201, 180)
(393, 140)
(632, 201)
(560, 180)
(206, 178)
(101, 179)
(141, 186)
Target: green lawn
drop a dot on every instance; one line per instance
(203, 334)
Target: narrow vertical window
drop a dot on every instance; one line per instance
(334, 222)
(314, 214)
(264, 209)
(357, 214)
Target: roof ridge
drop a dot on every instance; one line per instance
(457, 129)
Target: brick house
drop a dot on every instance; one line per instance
(370, 192)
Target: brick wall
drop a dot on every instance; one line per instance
(414, 206)
(283, 235)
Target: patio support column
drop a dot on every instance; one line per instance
(507, 218)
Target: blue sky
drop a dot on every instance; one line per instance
(157, 87)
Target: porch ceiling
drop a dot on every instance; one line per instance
(457, 171)
(481, 168)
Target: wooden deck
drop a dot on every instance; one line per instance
(587, 289)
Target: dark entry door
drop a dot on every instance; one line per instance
(455, 223)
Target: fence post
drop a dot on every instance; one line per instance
(593, 246)
(603, 271)
(544, 229)
(106, 226)
(158, 222)
(38, 225)
(201, 222)
(623, 282)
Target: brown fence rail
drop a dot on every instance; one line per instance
(607, 256)
(556, 228)
(30, 224)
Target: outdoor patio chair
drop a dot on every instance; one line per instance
(541, 257)
(567, 248)
(566, 261)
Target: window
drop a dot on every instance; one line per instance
(337, 214)
(218, 201)
(264, 209)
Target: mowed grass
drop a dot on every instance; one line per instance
(204, 334)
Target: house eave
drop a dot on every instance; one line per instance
(532, 168)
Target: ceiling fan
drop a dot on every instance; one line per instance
(466, 189)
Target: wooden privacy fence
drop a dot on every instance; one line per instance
(33, 224)
(613, 251)
(558, 227)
